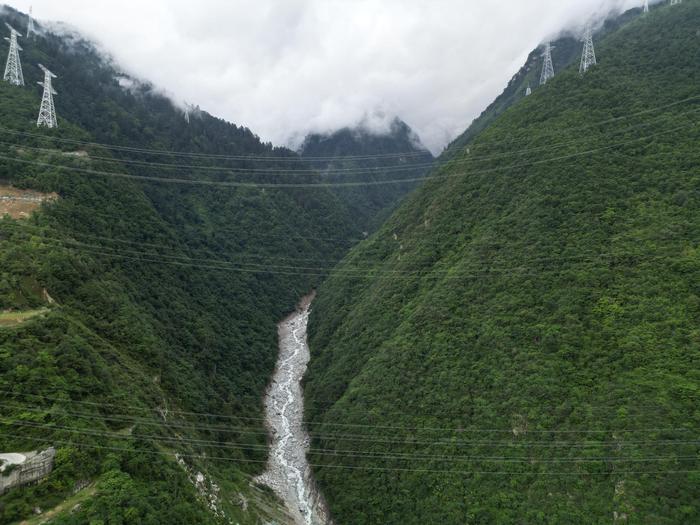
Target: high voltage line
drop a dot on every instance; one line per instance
(585, 257)
(229, 443)
(215, 228)
(400, 456)
(42, 233)
(358, 171)
(476, 245)
(412, 439)
(459, 430)
(373, 468)
(238, 184)
(223, 169)
(307, 159)
(265, 264)
(74, 210)
(257, 398)
(341, 270)
(353, 171)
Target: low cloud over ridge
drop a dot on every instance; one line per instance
(285, 68)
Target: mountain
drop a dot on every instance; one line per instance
(519, 342)
(566, 52)
(138, 304)
(394, 154)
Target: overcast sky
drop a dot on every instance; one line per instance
(288, 67)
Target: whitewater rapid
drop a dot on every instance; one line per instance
(288, 473)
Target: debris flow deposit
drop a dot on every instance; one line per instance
(288, 473)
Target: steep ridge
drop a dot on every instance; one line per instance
(163, 285)
(566, 51)
(519, 342)
(393, 154)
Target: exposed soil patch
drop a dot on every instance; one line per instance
(20, 204)
(10, 318)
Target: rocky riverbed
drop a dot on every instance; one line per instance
(288, 473)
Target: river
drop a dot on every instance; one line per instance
(288, 473)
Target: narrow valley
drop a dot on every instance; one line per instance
(288, 474)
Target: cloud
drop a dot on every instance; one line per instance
(288, 67)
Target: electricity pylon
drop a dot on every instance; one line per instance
(547, 66)
(30, 25)
(47, 112)
(588, 57)
(13, 68)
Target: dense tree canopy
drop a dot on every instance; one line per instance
(163, 297)
(519, 342)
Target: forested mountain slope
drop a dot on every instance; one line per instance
(393, 155)
(150, 291)
(519, 342)
(566, 51)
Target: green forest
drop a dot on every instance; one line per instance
(519, 342)
(509, 333)
(158, 300)
(367, 156)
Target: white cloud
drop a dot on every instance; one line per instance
(287, 67)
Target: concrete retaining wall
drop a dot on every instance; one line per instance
(36, 467)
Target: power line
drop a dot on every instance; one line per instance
(527, 135)
(472, 159)
(13, 66)
(460, 429)
(443, 458)
(306, 159)
(292, 157)
(31, 30)
(75, 210)
(588, 58)
(292, 235)
(41, 231)
(589, 256)
(547, 66)
(369, 468)
(378, 170)
(359, 170)
(393, 438)
(238, 184)
(47, 112)
(340, 271)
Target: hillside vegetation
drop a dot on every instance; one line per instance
(394, 155)
(566, 52)
(519, 342)
(159, 297)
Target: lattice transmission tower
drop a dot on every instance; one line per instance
(588, 57)
(547, 65)
(13, 68)
(31, 30)
(47, 112)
